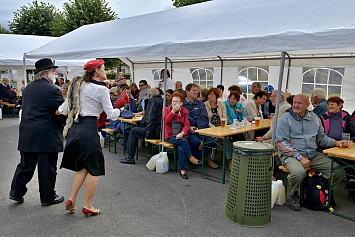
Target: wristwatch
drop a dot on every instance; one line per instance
(183, 133)
(299, 157)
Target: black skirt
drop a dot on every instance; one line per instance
(83, 149)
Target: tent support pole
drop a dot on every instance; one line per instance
(24, 70)
(164, 98)
(221, 69)
(274, 122)
(132, 69)
(171, 68)
(288, 71)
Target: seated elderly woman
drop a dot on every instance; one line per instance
(176, 131)
(235, 110)
(335, 122)
(216, 111)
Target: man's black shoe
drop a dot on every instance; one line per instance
(56, 200)
(19, 199)
(128, 160)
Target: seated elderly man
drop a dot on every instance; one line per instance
(151, 122)
(283, 106)
(298, 134)
(319, 101)
(7, 94)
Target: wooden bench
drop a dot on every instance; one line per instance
(8, 105)
(112, 133)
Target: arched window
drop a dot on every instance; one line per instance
(248, 75)
(329, 79)
(202, 77)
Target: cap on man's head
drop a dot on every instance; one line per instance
(43, 64)
(93, 64)
(269, 89)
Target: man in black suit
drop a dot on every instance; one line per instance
(40, 135)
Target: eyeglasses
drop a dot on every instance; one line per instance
(141, 85)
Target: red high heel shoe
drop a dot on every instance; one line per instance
(93, 213)
(69, 206)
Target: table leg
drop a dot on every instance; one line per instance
(203, 146)
(124, 138)
(330, 184)
(224, 160)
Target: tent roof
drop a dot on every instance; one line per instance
(12, 48)
(218, 28)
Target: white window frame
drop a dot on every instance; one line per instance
(322, 84)
(202, 83)
(257, 78)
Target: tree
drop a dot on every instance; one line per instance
(77, 13)
(181, 3)
(4, 30)
(34, 19)
(112, 63)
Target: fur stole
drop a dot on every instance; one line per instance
(73, 103)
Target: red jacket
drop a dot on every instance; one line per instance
(168, 121)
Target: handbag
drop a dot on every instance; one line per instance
(123, 99)
(177, 127)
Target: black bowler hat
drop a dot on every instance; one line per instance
(43, 64)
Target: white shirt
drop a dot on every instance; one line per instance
(93, 100)
(242, 100)
(170, 84)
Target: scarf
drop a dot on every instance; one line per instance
(73, 103)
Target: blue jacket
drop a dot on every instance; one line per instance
(115, 124)
(233, 115)
(197, 113)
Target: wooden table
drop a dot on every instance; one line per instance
(223, 133)
(342, 156)
(130, 123)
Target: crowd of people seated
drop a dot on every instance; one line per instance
(194, 108)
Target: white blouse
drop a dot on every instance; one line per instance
(93, 100)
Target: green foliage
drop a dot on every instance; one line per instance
(81, 12)
(112, 63)
(4, 30)
(34, 19)
(112, 76)
(181, 3)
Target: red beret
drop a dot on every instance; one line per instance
(93, 64)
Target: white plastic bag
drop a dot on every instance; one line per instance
(281, 198)
(102, 140)
(152, 162)
(162, 164)
(1, 113)
(274, 192)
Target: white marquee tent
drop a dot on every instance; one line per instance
(225, 35)
(12, 48)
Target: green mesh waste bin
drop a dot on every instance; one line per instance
(249, 191)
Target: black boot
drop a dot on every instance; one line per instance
(128, 160)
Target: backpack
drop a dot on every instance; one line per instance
(317, 192)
